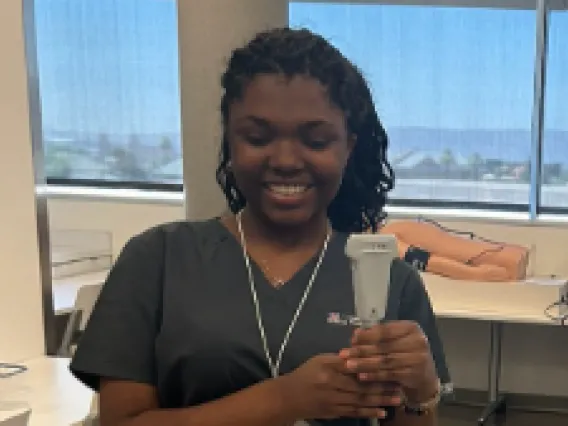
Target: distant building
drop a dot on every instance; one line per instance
(424, 164)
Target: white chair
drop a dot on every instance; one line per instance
(84, 303)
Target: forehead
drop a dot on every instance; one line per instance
(281, 100)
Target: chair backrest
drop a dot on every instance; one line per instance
(87, 296)
(85, 301)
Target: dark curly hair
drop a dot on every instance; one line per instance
(359, 203)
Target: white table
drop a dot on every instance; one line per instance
(65, 289)
(516, 302)
(55, 397)
(497, 303)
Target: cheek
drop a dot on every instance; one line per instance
(244, 159)
(330, 171)
(246, 167)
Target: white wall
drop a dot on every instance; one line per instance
(535, 359)
(209, 31)
(123, 219)
(21, 320)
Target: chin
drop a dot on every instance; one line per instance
(289, 218)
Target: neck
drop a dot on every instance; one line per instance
(286, 238)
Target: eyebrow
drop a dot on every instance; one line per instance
(308, 125)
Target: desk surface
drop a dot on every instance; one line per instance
(504, 302)
(65, 289)
(54, 395)
(507, 302)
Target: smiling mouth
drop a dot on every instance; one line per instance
(287, 190)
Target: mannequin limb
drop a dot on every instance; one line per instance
(513, 259)
(453, 269)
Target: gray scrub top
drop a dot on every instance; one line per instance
(176, 313)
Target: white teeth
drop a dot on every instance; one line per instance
(288, 189)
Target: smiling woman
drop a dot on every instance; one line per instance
(288, 156)
(233, 317)
(324, 114)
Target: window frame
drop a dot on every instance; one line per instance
(533, 206)
(116, 184)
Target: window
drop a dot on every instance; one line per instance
(109, 91)
(454, 89)
(453, 85)
(554, 174)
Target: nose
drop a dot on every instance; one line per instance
(285, 157)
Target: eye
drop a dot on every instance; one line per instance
(317, 144)
(256, 140)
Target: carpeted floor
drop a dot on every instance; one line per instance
(466, 416)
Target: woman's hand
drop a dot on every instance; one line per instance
(323, 388)
(397, 352)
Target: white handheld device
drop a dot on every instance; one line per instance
(371, 258)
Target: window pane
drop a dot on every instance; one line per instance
(454, 88)
(555, 156)
(109, 89)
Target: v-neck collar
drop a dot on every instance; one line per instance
(291, 291)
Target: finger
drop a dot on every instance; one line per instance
(409, 344)
(377, 399)
(359, 351)
(415, 342)
(380, 400)
(401, 376)
(380, 388)
(364, 365)
(396, 330)
(388, 362)
(335, 363)
(344, 383)
(366, 336)
(350, 385)
(353, 411)
(369, 401)
(385, 332)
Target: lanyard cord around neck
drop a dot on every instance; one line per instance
(275, 365)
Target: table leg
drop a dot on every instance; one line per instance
(497, 403)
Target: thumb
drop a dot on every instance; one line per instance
(334, 362)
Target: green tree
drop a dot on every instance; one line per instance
(167, 152)
(134, 145)
(525, 174)
(475, 163)
(447, 160)
(104, 148)
(125, 165)
(57, 165)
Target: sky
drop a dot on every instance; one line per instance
(111, 65)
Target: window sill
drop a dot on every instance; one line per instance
(472, 215)
(143, 196)
(177, 198)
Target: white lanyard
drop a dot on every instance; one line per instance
(275, 366)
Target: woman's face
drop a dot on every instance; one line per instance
(289, 146)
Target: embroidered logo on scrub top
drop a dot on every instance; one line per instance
(336, 318)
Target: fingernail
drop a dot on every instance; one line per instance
(381, 414)
(363, 376)
(344, 353)
(351, 364)
(396, 400)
